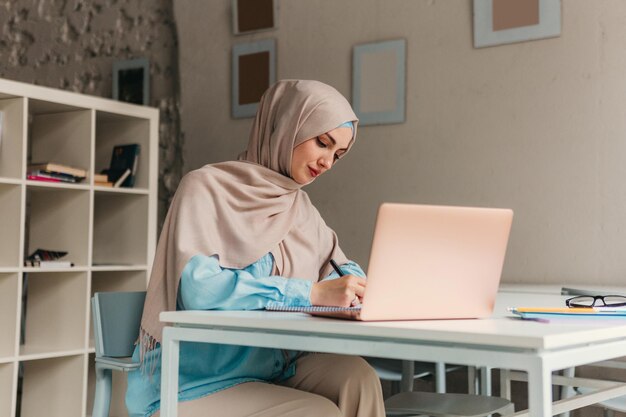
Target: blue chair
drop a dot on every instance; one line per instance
(116, 320)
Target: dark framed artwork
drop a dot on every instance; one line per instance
(251, 16)
(253, 71)
(131, 81)
(499, 22)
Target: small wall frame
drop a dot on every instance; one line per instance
(131, 81)
(253, 71)
(251, 16)
(499, 22)
(378, 82)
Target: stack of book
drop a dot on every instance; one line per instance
(102, 180)
(55, 172)
(44, 258)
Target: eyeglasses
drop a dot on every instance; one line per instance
(591, 300)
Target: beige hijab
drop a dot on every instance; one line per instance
(241, 210)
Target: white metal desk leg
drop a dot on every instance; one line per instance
(567, 391)
(169, 373)
(485, 380)
(440, 377)
(505, 383)
(539, 390)
(472, 382)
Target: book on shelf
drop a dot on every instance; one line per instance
(103, 184)
(100, 178)
(118, 183)
(41, 178)
(39, 175)
(45, 258)
(49, 264)
(124, 157)
(53, 168)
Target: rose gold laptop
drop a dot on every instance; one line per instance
(432, 262)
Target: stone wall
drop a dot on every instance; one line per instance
(72, 45)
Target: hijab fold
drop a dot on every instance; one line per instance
(241, 210)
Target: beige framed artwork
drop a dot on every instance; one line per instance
(378, 82)
(499, 22)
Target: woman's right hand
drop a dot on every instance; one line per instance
(339, 292)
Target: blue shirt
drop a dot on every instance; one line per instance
(206, 368)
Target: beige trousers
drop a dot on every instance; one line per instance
(325, 385)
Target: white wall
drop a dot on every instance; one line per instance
(536, 126)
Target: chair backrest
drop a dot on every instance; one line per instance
(116, 320)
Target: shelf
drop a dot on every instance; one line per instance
(13, 129)
(7, 388)
(115, 129)
(33, 353)
(121, 190)
(10, 208)
(57, 185)
(120, 229)
(112, 267)
(10, 181)
(109, 234)
(53, 387)
(39, 270)
(55, 311)
(60, 136)
(58, 219)
(9, 290)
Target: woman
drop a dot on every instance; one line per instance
(242, 235)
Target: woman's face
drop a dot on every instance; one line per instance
(315, 156)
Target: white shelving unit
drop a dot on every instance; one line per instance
(109, 234)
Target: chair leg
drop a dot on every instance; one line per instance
(408, 370)
(440, 377)
(102, 399)
(395, 387)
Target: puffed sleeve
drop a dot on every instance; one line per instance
(205, 285)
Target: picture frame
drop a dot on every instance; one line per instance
(498, 22)
(253, 71)
(131, 81)
(250, 16)
(379, 82)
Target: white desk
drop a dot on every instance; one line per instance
(498, 342)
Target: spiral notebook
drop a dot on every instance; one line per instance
(324, 311)
(430, 262)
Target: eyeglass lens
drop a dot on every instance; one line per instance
(597, 301)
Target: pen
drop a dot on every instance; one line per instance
(336, 268)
